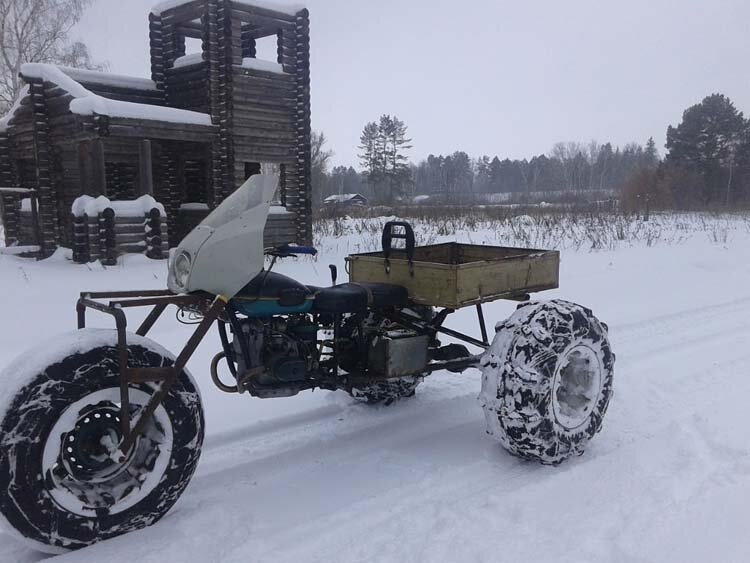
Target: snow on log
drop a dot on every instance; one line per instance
(107, 79)
(194, 207)
(93, 206)
(188, 60)
(259, 64)
(88, 103)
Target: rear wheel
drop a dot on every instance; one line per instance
(67, 483)
(547, 380)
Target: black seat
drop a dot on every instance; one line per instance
(270, 285)
(355, 297)
(344, 298)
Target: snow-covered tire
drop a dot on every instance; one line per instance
(62, 485)
(547, 380)
(388, 390)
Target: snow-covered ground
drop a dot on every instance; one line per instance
(320, 477)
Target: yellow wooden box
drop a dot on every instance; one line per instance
(455, 275)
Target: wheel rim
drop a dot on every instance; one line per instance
(83, 469)
(576, 388)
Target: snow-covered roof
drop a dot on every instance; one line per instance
(12, 111)
(288, 9)
(260, 64)
(187, 60)
(88, 103)
(342, 198)
(93, 206)
(108, 79)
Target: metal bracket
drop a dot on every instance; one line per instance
(165, 376)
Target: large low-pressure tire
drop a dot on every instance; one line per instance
(547, 380)
(63, 484)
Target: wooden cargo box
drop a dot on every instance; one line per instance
(454, 275)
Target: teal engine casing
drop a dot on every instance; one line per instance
(281, 352)
(270, 307)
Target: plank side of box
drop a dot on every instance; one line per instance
(458, 285)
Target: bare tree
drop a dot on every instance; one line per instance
(320, 158)
(38, 31)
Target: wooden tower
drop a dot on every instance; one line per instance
(261, 108)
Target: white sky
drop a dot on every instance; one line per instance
(498, 77)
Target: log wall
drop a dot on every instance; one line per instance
(259, 117)
(8, 202)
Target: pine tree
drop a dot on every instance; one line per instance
(387, 167)
(651, 155)
(371, 154)
(707, 141)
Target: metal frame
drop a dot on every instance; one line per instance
(165, 376)
(115, 303)
(436, 325)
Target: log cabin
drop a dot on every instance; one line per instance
(117, 164)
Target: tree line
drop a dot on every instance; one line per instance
(569, 166)
(707, 163)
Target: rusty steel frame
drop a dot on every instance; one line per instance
(436, 325)
(115, 303)
(159, 300)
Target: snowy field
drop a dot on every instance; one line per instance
(320, 477)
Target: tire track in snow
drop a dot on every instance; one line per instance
(507, 484)
(683, 319)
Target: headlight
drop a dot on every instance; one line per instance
(181, 269)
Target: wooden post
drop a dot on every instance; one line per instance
(153, 234)
(107, 239)
(81, 251)
(35, 225)
(43, 160)
(98, 169)
(304, 146)
(86, 167)
(145, 168)
(9, 213)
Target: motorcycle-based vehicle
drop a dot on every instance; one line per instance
(101, 430)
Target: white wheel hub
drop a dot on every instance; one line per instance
(82, 466)
(576, 386)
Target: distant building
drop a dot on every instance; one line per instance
(345, 200)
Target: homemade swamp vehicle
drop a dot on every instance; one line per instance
(101, 431)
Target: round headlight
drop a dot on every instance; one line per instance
(182, 266)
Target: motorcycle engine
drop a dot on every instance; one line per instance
(281, 353)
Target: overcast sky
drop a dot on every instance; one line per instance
(502, 78)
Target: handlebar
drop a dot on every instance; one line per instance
(289, 250)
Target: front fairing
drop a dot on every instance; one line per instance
(225, 251)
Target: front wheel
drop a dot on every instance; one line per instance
(547, 380)
(65, 483)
